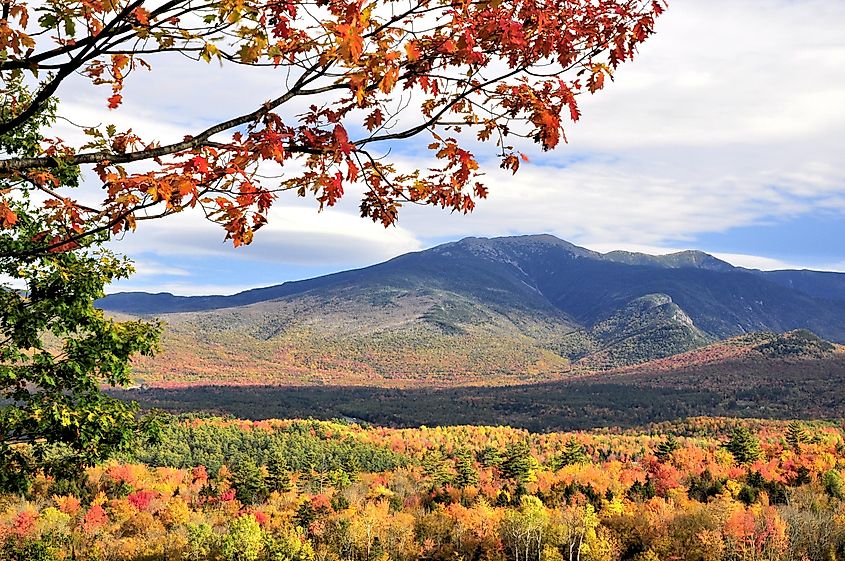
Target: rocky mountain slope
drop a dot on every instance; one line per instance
(480, 311)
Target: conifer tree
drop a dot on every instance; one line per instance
(435, 468)
(796, 435)
(248, 482)
(573, 453)
(467, 476)
(489, 456)
(665, 448)
(278, 472)
(744, 446)
(518, 464)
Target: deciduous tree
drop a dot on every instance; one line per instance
(354, 78)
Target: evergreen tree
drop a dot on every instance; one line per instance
(744, 446)
(435, 467)
(278, 472)
(467, 475)
(489, 456)
(248, 482)
(573, 453)
(351, 466)
(665, 448)
(796, 435)
(518, 464)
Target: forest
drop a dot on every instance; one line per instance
(224, 489)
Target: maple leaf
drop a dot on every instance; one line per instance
(142, 15)
(374, 120)
(8, 218)
(342, 140)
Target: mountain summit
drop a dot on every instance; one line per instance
(526, 306)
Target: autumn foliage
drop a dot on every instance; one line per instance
(372, 74)
(452, 492)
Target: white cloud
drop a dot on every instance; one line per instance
(731, 116)
(180, 288)
(147, 268)
(295, 234)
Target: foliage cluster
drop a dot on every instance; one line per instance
(461, 492)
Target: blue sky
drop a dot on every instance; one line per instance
(726, 135)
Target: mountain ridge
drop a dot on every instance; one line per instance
(140, 302)
(479, 310)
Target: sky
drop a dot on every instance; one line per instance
(726, 134)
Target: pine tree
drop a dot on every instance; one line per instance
(435, 467)
(665, 448)
(248, 482)
(489, 456)
(467, 476)
(744, 446)
(573, 453)
(278, 472)
(351, 466)
(518, 464)
(796, 435)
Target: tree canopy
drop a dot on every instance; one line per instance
(461, 72)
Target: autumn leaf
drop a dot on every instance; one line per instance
(374, 120)
(8, 218)
(142, 15)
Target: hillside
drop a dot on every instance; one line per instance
(479, 311)
(759, 375)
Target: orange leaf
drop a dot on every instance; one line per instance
(142, 15)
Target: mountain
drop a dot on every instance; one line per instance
(480, 311)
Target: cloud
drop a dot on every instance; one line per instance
(732, 116)
(180, 288)
(147, 268)
(294, 235)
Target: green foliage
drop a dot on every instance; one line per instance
(56, 349)
(278, 472)
(244, 542)
(833, 484)
(27, 550)
(467, 475)
(248, 482)
(796, 435)
(201, 542)
(303, 446)
(744, 446)
(572, 453)
(665, 448)
(288, 547)
(518, 465)
(642, 491)
(436, 468)
(490, 456)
